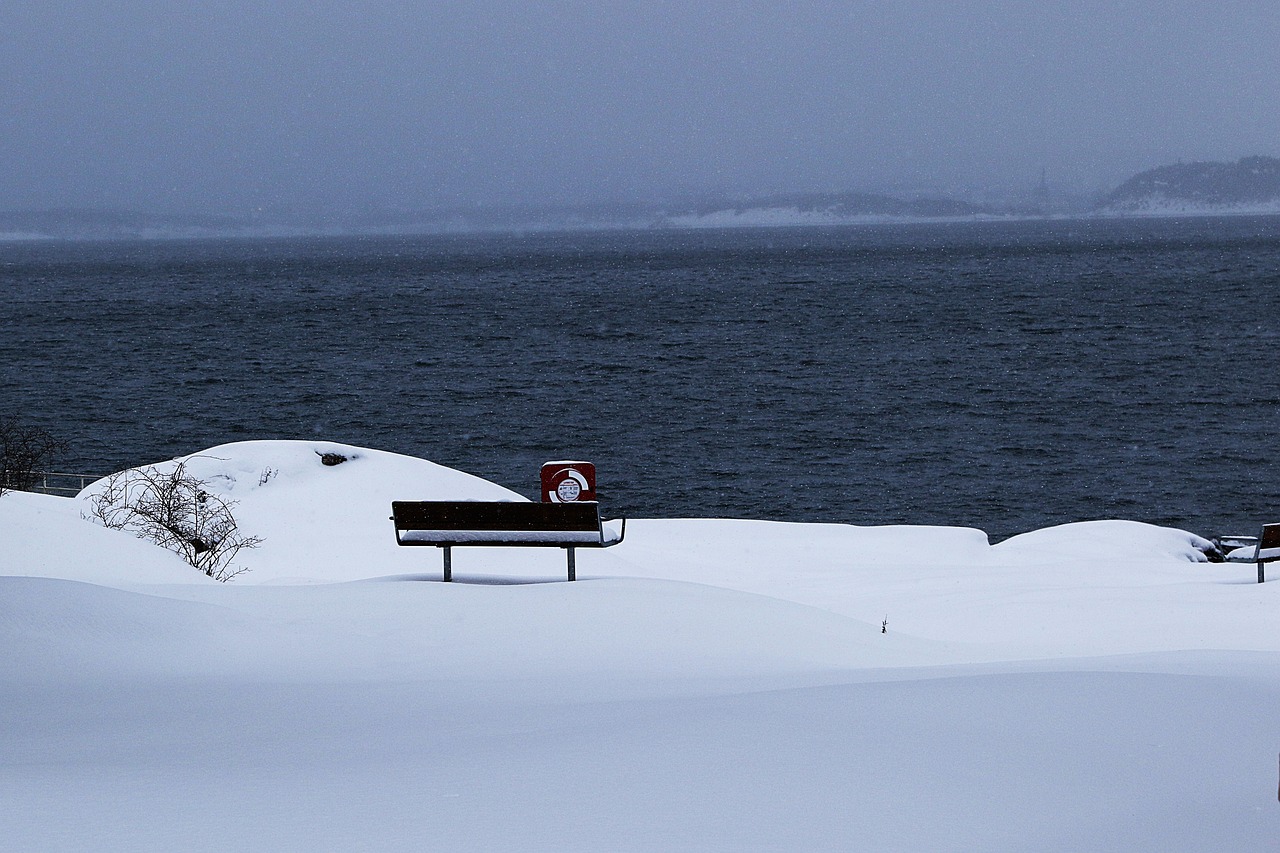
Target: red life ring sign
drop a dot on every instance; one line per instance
(568, 482)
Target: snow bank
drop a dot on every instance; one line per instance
(708, 684)
(45, 536)
(1115, 542)
(1093, 588)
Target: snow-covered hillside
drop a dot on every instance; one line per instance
(1249, 186)
(709, 684)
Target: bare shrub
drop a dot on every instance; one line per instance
(172, 508)
(24, 452)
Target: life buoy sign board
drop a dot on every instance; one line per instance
(568, 482)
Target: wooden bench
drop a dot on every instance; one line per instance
(449, 524)
(1265, 550)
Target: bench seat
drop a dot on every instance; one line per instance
(555, 538)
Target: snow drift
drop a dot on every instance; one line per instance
(708, 684)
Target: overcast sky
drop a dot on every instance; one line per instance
(306, 105)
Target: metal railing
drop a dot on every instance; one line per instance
(61, 483)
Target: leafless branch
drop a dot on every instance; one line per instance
(173, 509)
(24, 450)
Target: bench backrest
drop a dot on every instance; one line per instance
(495, 515)
(1270, 537)
(461, 522)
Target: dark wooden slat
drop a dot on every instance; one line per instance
(492, 515)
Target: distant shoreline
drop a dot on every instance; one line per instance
(744, 220)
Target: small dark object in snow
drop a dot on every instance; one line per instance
(884, 626)
(332, 458)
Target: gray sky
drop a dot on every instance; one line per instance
(229, 105)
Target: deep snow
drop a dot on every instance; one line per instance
(708, 684)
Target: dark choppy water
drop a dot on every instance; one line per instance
(1002, 376)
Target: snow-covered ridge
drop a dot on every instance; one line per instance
(1249, 186)
(328, 523)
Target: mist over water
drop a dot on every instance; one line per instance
(1001, 376)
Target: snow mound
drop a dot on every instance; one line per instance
(322, 509)
(1112, 541)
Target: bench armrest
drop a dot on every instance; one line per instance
(612, 535)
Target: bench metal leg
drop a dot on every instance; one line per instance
(573, 569)
(1262, 577)
(448, 563)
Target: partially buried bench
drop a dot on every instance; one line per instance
(448, 524)
(1268, 550)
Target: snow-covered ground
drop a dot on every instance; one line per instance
(708, 684)
(1171, 206)
(792, 216)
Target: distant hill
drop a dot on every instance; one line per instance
(1250, 185)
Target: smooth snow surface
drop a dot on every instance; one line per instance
(709, 684)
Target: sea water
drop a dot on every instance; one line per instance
(1000, 375)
